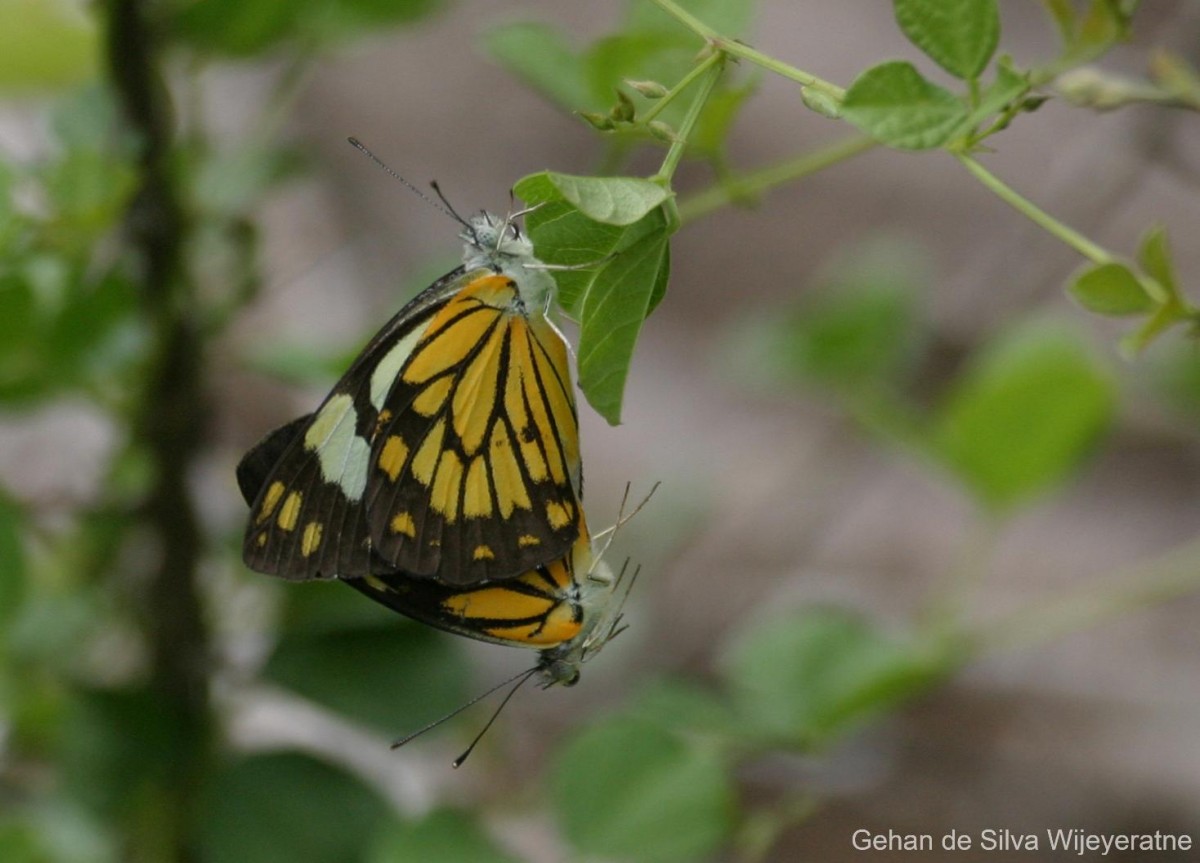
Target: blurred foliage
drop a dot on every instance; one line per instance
(88, 755)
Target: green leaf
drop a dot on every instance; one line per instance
(394, 678)
(629, 789)
(728, 17)
(896, 106)
(285, 807)
(614, 309)
(1110, 289)
(958, 35)
(443, 836)
(1024, 414)
(611, 298)
(1155, 257)
(46, 44)
(805, 677)
(609, 200)
(538, 55)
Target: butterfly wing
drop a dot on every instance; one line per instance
(308, 479)
(475, 470)
(539, 608)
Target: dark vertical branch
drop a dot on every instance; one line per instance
(170, 417)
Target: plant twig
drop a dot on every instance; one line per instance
(169, 417)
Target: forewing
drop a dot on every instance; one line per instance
(474, 473)
(309, 478)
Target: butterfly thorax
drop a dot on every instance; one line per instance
(499, 245)
(592, 597)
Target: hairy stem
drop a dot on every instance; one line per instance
(169, 416)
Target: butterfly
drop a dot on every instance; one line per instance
(566, 609)
(448, 450)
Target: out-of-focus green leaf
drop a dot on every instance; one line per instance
(51, 830)
(728, 17)
(1110, 289)
(19, 842)
(717, 118)
(663, 56)
(46, 44)
(394, 678)
(116, 747)
(1024, 414)
(629, 789)
(1106, 21)
(863, 328)
(287, 807)
(685, 707)
(805, 677)
(544, 60)
(443, 836)
(1154, 254)
(896, 106)
(959, 35)
(329, 607)
(12, 559)
(244, 29)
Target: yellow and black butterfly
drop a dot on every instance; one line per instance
(566, 609)
(448, 450)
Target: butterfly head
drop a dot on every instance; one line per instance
(499, 245)
(600, 600)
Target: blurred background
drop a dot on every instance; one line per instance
(924, 554)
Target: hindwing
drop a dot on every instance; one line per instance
(540, 608)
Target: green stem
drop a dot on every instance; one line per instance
(756, 182)
(1044, 220)
(738, 49)
(712, 68)
(684, 82)
(1172, 576)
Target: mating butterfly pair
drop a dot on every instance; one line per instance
(441, 476)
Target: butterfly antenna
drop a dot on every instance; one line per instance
(622, 519)
(443, 206)
(447, 208)
(524, 675)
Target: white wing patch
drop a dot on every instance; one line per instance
(343, 454)
(388, 369)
